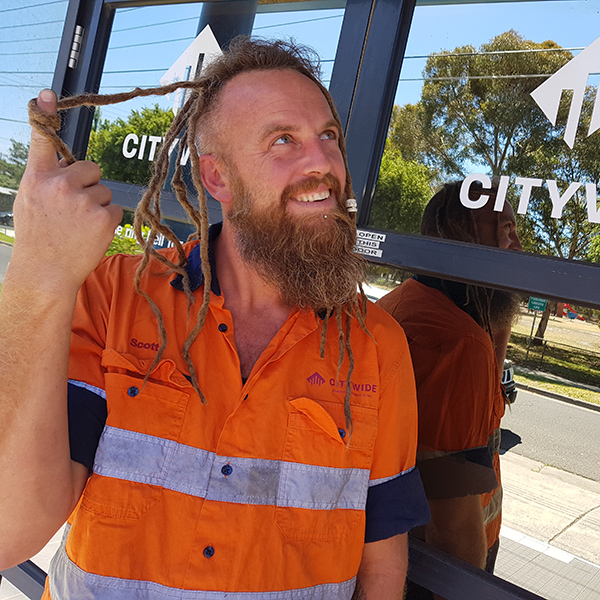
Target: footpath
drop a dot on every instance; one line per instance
(550, 540)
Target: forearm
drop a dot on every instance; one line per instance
(37, 483)
(457, 528)
(382, 573)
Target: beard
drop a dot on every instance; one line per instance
(504, 308)
(309, 259)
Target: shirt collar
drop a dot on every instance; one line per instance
(194, 266)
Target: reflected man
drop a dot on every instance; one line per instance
(457, 337)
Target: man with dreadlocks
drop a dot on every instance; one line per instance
(457, 337)
(236, 423)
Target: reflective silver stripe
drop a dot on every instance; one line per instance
(381, 480)
(91, 388)
(67, 581)
(143, 458)
(492, 510)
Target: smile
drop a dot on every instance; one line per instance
(314, 197)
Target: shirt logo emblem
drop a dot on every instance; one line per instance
(316, 379)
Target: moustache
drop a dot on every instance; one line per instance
(310, 184)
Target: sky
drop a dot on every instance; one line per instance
(146, 41)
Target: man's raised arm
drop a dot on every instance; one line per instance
(64, 223)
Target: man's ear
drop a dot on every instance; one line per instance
(215, 178)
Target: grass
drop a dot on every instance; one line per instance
(572, 363)
(6, 238)
(541, 382)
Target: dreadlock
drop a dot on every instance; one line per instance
(195, 125)
(446, 217)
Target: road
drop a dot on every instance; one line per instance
(554, 432)
(5, 252)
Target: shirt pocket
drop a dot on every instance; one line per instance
(324, 479)
(139, 439)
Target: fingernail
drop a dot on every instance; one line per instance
(46, 95)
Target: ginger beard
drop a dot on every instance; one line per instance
(310, 259)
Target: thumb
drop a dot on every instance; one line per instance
(44, 120)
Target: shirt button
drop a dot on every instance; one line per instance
(208, 551)
(227, 470)
(222, 328)
(342, 433)
(133, 391)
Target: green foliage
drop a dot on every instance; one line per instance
(402, 192)
(124, 241)
(106, 143)
(12, 166)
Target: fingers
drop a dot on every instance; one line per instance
(85, 172)
(42, 153)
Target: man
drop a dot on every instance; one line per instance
(215, 455)
(457, 337)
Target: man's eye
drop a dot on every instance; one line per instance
(329, 135)
(282, 139)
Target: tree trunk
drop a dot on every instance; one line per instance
(541, 330)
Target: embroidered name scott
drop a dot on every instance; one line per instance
(146, 345)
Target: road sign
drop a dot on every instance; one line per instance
(537, 303)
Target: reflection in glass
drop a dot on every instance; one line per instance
(464, 106)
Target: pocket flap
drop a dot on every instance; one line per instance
(318, 415)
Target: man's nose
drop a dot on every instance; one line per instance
(515, 242)
(315, 159)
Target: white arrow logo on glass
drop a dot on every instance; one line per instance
(573, 76)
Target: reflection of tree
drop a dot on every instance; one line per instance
(106, 143)
(402, 192)
(476, 113)
(12, 166)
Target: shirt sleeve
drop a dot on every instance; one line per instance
(396, 500)
(86, 397)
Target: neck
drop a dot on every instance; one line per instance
(256, 307)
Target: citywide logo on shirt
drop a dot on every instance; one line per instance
(339, 385)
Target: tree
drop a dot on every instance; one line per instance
(106, 143)
(12, 166)
(402, 192)
(476, 104)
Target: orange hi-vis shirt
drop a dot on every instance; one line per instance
(459, 398)
(261, 492)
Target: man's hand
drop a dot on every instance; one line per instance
(64, 221)
(382, 571)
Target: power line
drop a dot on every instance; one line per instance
(472, 77)
(14, 120)
(5, 10)
(25, 53)
(55, 37)
(155, 24)
(493, 52)
(297, 22)
(26, 72)
(151, 43)
(32, 24)
(134, 71)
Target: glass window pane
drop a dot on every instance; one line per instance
(30, 35)
(504, 92)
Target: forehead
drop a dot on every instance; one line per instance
(254, 101)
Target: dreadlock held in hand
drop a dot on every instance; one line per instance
(313, 267)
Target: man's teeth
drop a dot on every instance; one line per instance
(313, 197)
